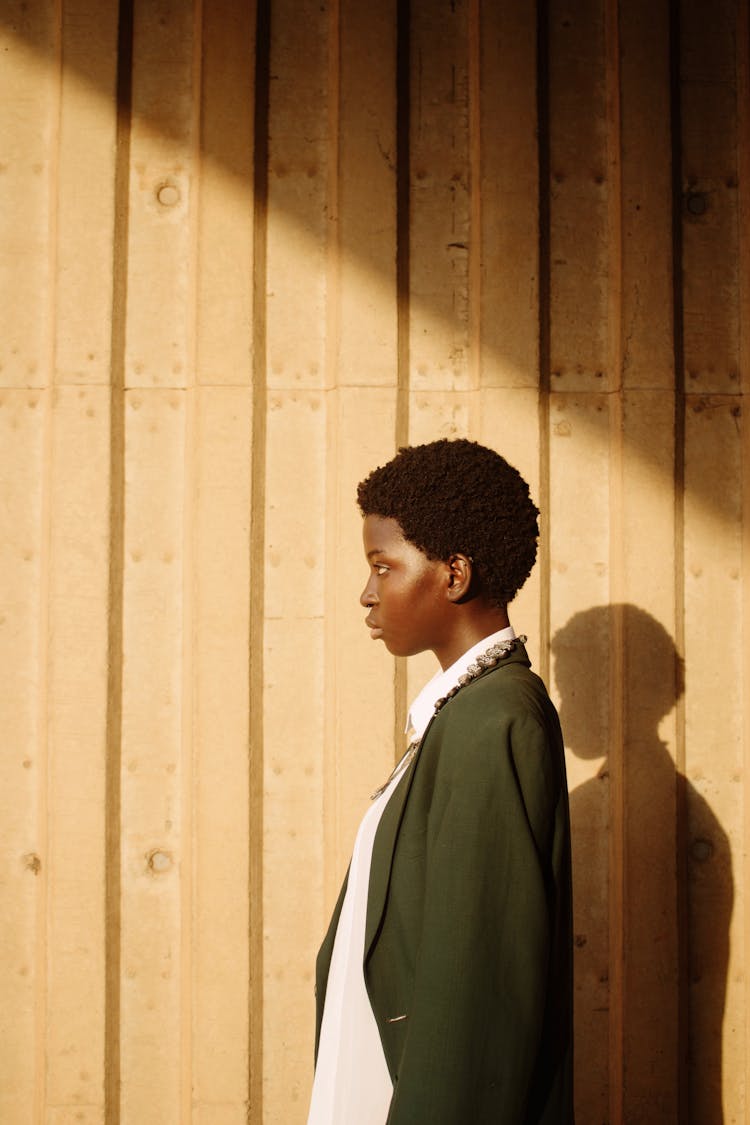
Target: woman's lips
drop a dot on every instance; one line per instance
(375, 631)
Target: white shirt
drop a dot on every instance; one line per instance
(352, 1085)
(423, 706)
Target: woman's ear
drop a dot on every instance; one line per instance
(459, 577)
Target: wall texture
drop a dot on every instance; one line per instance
(244, 253)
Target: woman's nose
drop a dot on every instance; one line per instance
(367, 597)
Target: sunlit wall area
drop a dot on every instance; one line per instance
(246, 251)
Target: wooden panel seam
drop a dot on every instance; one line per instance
(403, 286)
(543, 270)
(475, 195)
(116, 567)
(187, 749)
(257, 561)
(618, 784)
(679, 550)
(743, 130)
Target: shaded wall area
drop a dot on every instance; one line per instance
(246, 250)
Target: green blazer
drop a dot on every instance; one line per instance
(467, 954)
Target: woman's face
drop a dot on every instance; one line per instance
(405, 592)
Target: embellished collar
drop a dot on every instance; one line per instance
(423, 706)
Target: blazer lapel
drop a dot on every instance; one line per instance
(383, 849)
(390, 822)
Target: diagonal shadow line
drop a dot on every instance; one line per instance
(38, 31)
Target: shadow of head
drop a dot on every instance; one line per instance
(602, 651)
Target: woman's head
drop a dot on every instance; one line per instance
(458, 496)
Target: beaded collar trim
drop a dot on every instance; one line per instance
(487, 659)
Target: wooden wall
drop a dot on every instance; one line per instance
(246, 252)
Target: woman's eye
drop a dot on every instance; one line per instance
(380, 568)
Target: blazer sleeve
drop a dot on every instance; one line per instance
(475, 1024)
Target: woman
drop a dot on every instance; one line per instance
(444, 988)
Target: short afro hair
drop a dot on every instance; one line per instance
(457, 496)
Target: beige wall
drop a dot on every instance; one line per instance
(307, 236)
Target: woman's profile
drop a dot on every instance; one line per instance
(444, 989)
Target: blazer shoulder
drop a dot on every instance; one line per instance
(508, 692)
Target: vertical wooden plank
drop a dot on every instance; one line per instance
(581, 360)
(157, 752)
(581, 629)
(28, 94)
(294, 715)
(79, 603)
(644, 555)
(714, 756)
(160, 235)
(710, 261)
(711, 291)
(579, 203)
(743, 147)
(115, 647)
(23, 763)
(220, 716)
(257, 635)
(221, 500)
(298, 183)
(646, 630)
(508, 172)
(585, 357)
(154, 820)
(78, 617)
(304, 63)
(646, 314)
(364, 344)
(85, 192)
(440, 198)
(224, 264)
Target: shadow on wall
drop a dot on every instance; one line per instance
(677, 872)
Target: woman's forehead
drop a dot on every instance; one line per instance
(382, 534)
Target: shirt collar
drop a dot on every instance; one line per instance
(423, 706)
